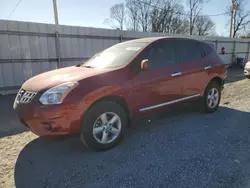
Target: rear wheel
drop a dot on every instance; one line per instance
(103, 126)
(212, 97)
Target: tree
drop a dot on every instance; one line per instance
(117, 16)
(204, 26)
(168, 18)
(241, 17)
(247, 36)
(182, 27)
(178, 24)
(132, 15)
(164, 16)
(195, 7)
(144, 13)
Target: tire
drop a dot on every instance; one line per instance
(207, 97)
(93, 119)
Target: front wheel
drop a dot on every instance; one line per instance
(212, 97)
(103, 126)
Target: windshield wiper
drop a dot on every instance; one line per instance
(82, 65)
(87, 66)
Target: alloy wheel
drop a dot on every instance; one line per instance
(107, 127)
(213, 98)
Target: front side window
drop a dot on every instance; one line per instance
(160, 54)
(115, 56)
(188, 51)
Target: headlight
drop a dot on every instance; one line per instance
(56, 94)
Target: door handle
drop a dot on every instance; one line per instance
(176, 74)
(207, 67)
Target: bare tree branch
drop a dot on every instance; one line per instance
(132, 11)
(204, 26)
(195, 7)
(169, 17)
(144, 12)
(117, 16)
(165, 16)
(241, 18)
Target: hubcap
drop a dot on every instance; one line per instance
(107, 127)
(213, 98)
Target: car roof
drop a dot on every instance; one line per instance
(153, 39)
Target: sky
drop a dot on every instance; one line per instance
(91, 13)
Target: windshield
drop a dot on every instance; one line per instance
(115, 56)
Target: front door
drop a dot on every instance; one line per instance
(161, 84)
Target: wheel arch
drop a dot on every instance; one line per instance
(215, 79)
(116, 99)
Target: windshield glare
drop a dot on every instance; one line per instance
(115, 56)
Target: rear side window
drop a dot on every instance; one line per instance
(206, 48)
(188, 51)
(160, 54)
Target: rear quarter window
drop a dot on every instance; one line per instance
(207, 48)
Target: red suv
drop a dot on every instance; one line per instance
(98, 98)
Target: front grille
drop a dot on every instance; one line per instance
(24, 97)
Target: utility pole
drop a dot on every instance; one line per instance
(57, 35)
(55, 12)
(232, 9)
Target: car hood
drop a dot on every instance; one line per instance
(52, 78)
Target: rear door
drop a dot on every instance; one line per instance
(214, 65)
(161, 83)
(194, 75)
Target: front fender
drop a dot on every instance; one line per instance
(94, 96)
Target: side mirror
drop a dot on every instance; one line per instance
(144, 64)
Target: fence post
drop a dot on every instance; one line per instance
(121, 39)
(233, 54)
(58, 52)
(248, 46)
(216, 45)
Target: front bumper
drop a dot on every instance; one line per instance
(47, 120)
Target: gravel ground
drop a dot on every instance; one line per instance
(183, 148)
